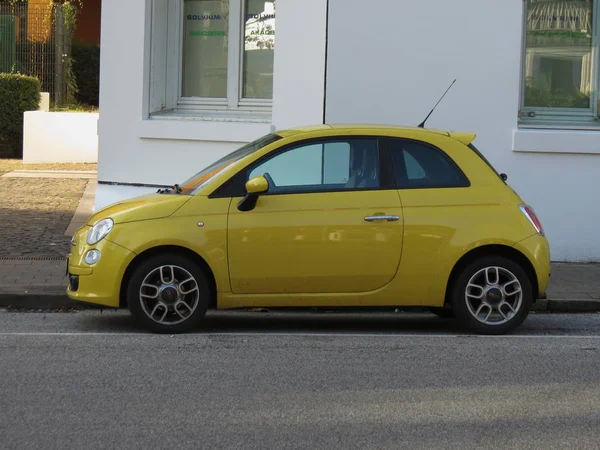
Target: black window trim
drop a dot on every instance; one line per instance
(485, 160)
(399, 185)
(236, 185)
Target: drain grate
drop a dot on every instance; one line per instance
(33, 258)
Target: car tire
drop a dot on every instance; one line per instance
(492, 296)
(444, 313)
(168, 293)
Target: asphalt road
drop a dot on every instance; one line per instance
(259, 381)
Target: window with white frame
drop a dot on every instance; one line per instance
(560, 64)
(212, 56)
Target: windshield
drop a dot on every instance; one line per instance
(203, 177)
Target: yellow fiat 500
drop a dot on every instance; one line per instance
(324, 216)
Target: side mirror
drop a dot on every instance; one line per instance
(257, 185)
(504, 176)
(254, 187)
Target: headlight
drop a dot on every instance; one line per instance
(99, 231)
(92, 257)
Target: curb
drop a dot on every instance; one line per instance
(58, 301)
(42, 301)
(574, 306)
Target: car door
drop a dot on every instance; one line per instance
(436, 201)
(330, 223)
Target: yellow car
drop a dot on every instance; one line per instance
(327, 216)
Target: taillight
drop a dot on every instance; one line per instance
(530, 214)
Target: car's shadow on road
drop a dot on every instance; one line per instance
(424, 323)
(292, 322)
(330, 323)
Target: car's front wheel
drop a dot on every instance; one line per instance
(168, 293)
(492, 295)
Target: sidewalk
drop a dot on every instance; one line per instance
(41, 284)
(42, 208)
(42, 205)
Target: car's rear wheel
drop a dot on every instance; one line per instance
(168, 293)
(492, 295)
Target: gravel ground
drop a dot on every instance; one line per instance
(34, 215)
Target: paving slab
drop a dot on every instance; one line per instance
(35, 214)
(41, 284)
(85, 209)
(574, 281)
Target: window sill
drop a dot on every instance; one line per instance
(209, 126)
(560, 126)
(545, 140)
(217, 114)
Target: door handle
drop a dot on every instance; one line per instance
(386, 218)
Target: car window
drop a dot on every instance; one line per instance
(421, 165)
(414, 171)
(322, 166)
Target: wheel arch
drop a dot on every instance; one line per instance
(488, 250)
(195, 257)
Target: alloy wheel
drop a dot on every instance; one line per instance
(494, 295)
(169, 295)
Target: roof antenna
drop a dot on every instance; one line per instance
(422, 125)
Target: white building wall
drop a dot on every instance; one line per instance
(299, 82)
(389, 62)
(136, 150)
(132, 148)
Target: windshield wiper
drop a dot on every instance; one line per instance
(176, 189)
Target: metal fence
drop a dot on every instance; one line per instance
(35, 42)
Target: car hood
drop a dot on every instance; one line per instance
(145, 207)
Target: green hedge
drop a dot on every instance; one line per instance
(86, 71)
(19, 94)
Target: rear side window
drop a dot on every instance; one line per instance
(419, 165)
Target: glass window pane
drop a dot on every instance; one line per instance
(297, 167)
(326, 166)
(259, 49)
(419, 166)
(336, 163)
(205, 31)
(414, 171)
(558, 61)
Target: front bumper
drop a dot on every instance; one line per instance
(99, 284)
(537, 250)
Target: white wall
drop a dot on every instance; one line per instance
(60, 137)
(390, 63)
(387, 63)
(134, 149)
(299, 82)
(108, 194)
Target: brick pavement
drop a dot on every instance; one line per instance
(569, 281)
(34, 214)
(32, 276)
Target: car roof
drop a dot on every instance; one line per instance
(464, 137)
